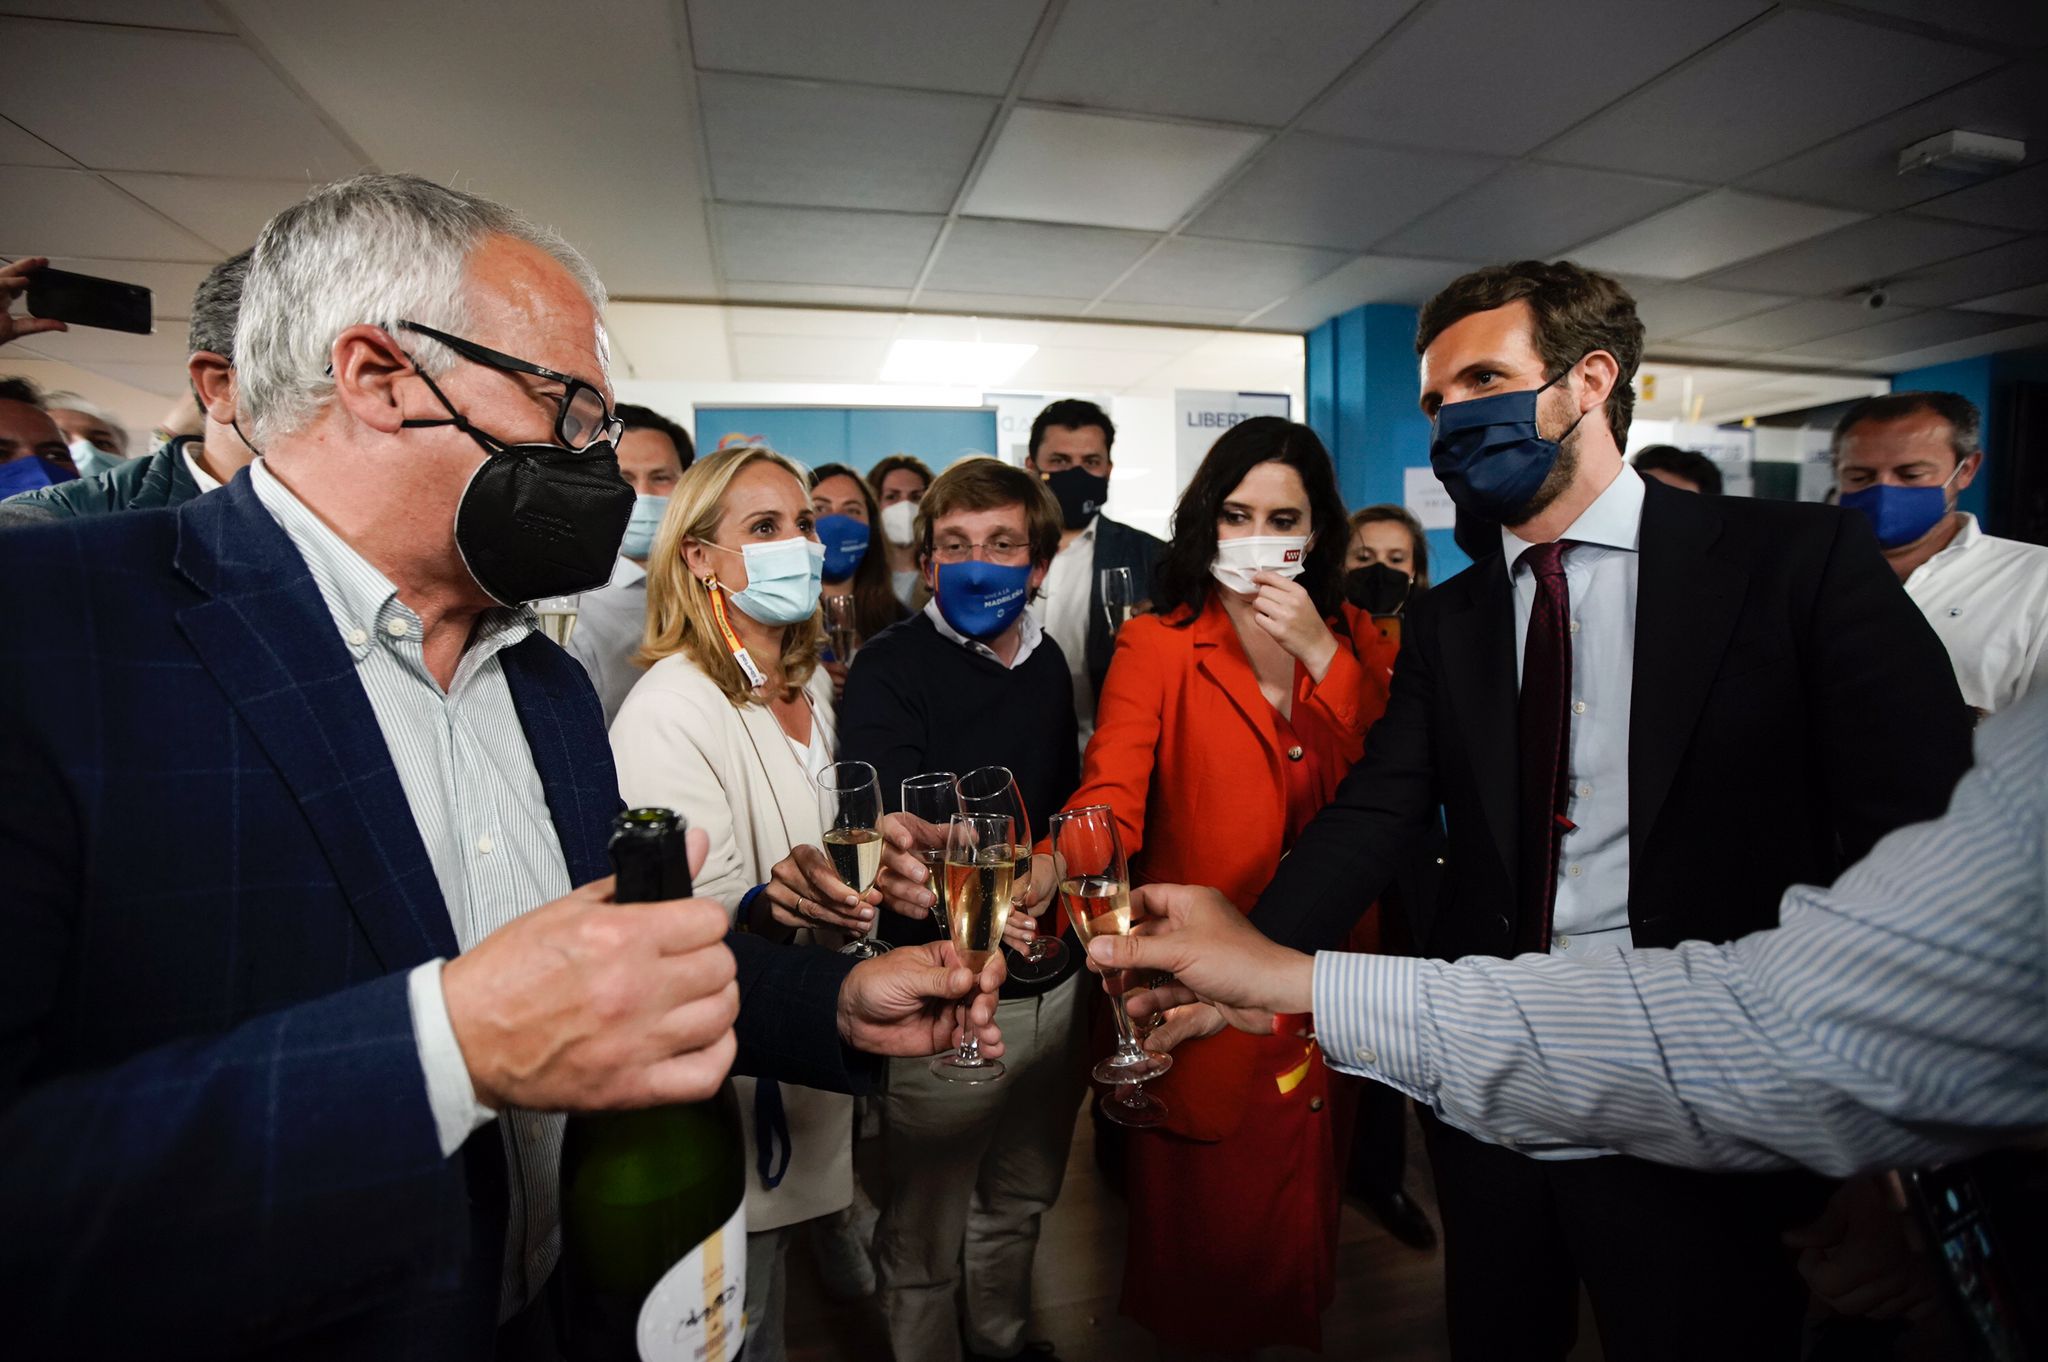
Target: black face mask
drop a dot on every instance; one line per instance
(1378, 589)
(538, 520)
(1079, 493)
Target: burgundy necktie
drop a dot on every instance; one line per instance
(1544, 725)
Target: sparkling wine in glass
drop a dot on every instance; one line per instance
(850, 808)
(1119, 598)
(1095, 886)
(992, 789)
(841, 632)
(974, 894)
(929, 802)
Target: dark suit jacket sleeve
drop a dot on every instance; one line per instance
(789, 1017)
(1369, 832)
(1893, 727)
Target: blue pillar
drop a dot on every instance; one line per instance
(1361, 387)
(1974, 379)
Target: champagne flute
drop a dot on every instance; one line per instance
(974, 894)
(850, 807)
(1095, 884)
(1119, 598)
(932, 799)
(992, 789)
(842, 633)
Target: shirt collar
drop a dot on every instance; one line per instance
(1968, 535)
(1029, 632)
(1086, 536)
(184, 447)
(1614, 520)
(627, 572)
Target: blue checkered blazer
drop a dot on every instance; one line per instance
(214, 1132)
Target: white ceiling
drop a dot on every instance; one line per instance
(1235, 164)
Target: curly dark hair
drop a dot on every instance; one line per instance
(1181, 584)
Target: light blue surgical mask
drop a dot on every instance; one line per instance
(641, 525)
(783, 580)
(89, 461)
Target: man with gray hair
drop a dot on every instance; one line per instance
(187, 465)
(289, 916)
(97, 439)
(1902, 459)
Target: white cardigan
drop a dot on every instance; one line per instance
(730, 770)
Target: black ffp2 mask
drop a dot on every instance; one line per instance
(1378, 589)
(1079, 493)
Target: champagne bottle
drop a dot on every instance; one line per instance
(654, 1224)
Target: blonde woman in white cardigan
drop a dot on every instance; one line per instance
(730, 722)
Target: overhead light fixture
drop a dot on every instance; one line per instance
(1962, 153)
(954, 364)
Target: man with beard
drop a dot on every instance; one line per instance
(1645, 715)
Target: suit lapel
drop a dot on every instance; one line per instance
(1221, 657)
(1688, 597)
(565, 732)
(266, 636)
(1478, 642)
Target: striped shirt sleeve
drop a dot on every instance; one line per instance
(1899, 1016)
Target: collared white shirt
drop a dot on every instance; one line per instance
(1987, 599)
(625, 572)
(1029, 633)
(1601, 570)
(207, 481)
(477, 800)
(1062, 608)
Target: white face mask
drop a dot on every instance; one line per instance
(1238, 559)
(899, 522)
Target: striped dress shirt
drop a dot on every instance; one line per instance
(482, 813)
(1898, 1017)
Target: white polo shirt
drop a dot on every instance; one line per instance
(1988, 600)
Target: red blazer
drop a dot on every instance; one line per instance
(1186, 752)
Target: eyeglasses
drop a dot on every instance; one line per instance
(1001, 549)
(582, 416)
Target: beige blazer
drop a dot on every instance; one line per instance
(730, 770)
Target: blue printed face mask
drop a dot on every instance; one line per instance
(981, 599)
(641, 525)
(1488, 454)
(846, 543)
(24, 474)
(1900, 515)
(783, 580)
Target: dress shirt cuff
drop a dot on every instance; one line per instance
(450, 1095)
(1371, 1019)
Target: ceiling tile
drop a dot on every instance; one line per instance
(73, 212)
(2031, 300)
(1860, 169)
(816, 359)
(1974, 276)
(1189, 272)
(670, 341)
(1707, 233)
(1478, 75)
(1780, 86)
(801, 321)
(839, 146)
(171, 286)
(1905, 333)
(229, 213)
(1318, 191)
(1167, 313)
(1793, 324)
(2005, 21)
(1034, 258)
(824, 246)
(2016, 200)
(1669, 351)
(1219, 64)
(999, 304)
(90, 345)
(922, 325)
(919, 44)
(1863, 253)
(1534, 210)
(195, 15)
(19, 147)
(1050, 165)
(2029, 335)
(1087, 370)
(1367, 279)
(823, 295)
(1093, 335)
(1670, 310)
(165, 380)
(248, 122)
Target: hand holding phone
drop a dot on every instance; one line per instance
(89, 300)
(13, 280)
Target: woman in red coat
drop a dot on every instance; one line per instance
(1227, 720)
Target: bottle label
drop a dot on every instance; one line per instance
(697, 1311)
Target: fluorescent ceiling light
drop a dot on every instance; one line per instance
(961, 364)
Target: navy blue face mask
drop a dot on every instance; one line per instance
(1488, 455)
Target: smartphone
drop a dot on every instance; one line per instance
(1960, 1220)
(85, 300)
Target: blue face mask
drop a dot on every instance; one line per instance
(25, 474)
(1488, 455)
(782, 581)
(846, 543)
(641, 525)
(981, 599)
(1900, 515)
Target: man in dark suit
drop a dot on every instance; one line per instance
(1644, 714)
(287, 902)
(1070, 449)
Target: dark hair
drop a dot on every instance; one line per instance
(1388, 513)
(1182, 581)
(982, 483)
(21, 390)
(1690, 464)
(1072, 413)
(1575, 312)
(875, 606)
(1966, 429)
(646, 418)
(898, 463)
(216, 303)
